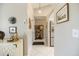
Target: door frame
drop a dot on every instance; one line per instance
(50, 34)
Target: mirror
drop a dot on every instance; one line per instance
(12, 20)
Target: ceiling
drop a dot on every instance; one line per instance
(42, 5)
(46, 8)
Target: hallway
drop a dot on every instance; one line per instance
(41, 50)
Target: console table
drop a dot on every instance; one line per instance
(11, 48)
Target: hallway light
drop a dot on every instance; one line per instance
(39, 10)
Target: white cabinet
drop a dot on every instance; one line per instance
(11, 48)
(19, 48)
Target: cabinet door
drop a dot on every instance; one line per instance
(1, 50)
(9, 50)
(19, 48)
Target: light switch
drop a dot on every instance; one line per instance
(75, 33)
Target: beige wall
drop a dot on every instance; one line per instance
(29, 32)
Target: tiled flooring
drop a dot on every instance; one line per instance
(41, 50)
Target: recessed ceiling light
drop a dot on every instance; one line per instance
(39, 11)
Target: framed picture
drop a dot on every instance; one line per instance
(12, 29)
(39, 32)
(63, 14)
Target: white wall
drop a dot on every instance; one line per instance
(19, 11)
(65, 44)
(29, 32)
(22, 12)
(16, 10)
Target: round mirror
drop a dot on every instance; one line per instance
(12, 20)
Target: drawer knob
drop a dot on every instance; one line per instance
(15, 45)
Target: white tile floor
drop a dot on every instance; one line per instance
(41, 50)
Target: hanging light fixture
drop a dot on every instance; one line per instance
(39, 10)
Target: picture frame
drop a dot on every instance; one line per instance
(12, 29)
(12, 20)
(39, 32)
(63, 14)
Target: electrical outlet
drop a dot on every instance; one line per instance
(75, 33)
